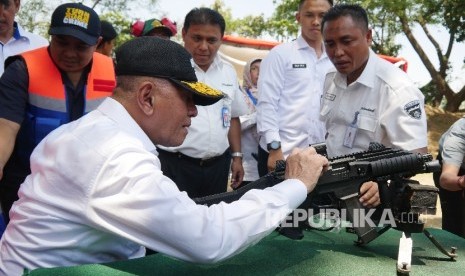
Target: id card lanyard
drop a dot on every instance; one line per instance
(351, 131)
(251, 96)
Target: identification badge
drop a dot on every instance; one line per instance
(350, 136)
(226, 116)
(351, 131)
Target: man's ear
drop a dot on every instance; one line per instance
(17, 4)
(369, 36)
(297, 17)
(99, 40)
(146, 97)
(183, 34)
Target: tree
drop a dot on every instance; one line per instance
(34, 16)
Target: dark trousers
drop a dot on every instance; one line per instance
(195, 176)
(452, 206)
(262, 161)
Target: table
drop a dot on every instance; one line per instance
(319, 253)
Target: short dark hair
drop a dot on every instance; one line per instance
(5, 3)
(107, 31)
(356, 12)
(202, 16)
(301, 3)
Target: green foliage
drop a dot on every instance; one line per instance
(454, 17)
(250, 26)
(282, 24)
(34, 16)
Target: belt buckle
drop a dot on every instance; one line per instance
(204, 161)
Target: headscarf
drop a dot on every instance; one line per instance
(247, 84)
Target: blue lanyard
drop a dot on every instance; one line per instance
(254, 100)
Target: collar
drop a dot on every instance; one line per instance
(116, 112)
(217, 63)
(368, 76)
(302, 44)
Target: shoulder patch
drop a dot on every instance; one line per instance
(413, 109)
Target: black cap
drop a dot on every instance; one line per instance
(108, 32)
(161, 58)
(76, 20)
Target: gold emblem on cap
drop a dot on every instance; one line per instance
(203, 89)
(156, 23)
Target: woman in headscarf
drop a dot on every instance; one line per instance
(249, 139)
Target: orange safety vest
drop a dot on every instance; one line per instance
(48, 105)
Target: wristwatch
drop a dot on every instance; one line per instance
(274, 145)
(237, 154)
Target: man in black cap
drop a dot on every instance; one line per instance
(108, 34)
(47, 87)
(97, 193)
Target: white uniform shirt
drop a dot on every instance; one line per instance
(452, 144)
(97, 194)
(207, 136)
(391, 109)
(291, 84)
(21, 41)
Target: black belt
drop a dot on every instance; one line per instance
(198, 161)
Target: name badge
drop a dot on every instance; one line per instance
(226, 115)
(349, 137)
(299, 65)
(351, 131)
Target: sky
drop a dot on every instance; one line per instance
(177, 9)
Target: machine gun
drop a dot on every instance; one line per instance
(390, 168)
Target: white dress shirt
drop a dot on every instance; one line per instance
(390, 109)
(291, 84)
(96, 194)
(207, 136)
(21, 41)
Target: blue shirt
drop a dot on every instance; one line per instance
(21, 41)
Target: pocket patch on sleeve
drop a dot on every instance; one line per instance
(413, 109)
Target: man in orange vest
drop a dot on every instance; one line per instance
(47, 87)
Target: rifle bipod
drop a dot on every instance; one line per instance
(404, 257)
